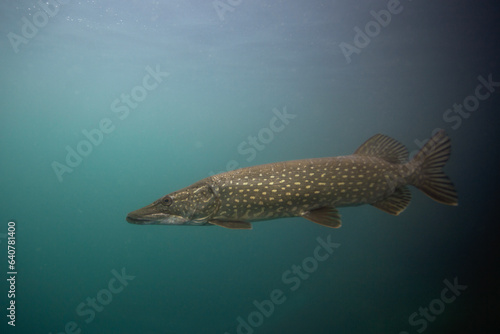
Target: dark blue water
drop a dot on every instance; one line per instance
(107, 105)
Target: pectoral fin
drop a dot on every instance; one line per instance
(327, 216)
(237, 225)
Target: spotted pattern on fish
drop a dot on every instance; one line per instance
(377, 173)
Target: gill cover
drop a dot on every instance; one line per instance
(193, 205)
(204, 201)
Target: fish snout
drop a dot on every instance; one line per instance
(152, 214)
(146, 215)
(134, 219)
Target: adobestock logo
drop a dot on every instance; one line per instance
(30, 28)
(223, 6)
(102, 298)
(293, 278)
(436, 307)
(461, 111)
(363, 37)
(264, 137)
(121, 107)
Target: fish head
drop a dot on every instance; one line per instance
(193, 205)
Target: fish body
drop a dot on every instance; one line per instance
(378, 173)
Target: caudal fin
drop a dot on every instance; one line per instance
(429, 176)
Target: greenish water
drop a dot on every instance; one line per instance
(106, 106)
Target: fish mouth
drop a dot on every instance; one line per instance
(146, 219)
(146, 215)
(138, 220)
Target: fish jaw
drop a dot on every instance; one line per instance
(149, 215)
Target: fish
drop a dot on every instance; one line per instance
(377, 173)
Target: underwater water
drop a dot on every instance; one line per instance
(108, 105)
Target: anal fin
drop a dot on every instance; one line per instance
(327, 216)
(235, 225)
(396, 203)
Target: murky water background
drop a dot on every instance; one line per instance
(108, 105)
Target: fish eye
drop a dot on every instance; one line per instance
(168, 200)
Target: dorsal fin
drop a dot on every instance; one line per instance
(384, 147)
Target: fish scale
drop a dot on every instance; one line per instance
(293, 187)
(378, 173)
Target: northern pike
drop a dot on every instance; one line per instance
(378, 173)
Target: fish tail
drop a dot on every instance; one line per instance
(428, 173)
